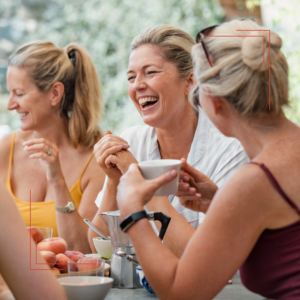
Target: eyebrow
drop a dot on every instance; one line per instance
(144, 67)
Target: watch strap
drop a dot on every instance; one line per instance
(133, 218)
(64, 209)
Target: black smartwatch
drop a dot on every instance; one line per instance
(131, 219)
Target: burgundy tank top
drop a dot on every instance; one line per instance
(273, 267)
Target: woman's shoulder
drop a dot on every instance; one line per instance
(248, 184)
(5, 147)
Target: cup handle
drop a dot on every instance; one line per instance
(163, 219)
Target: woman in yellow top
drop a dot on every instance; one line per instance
(48, 164)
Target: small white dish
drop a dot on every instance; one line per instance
(103, 247)
(86, 287)
(95, 255)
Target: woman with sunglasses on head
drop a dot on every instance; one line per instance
(160, 76)
(253, 222)
(48, 165)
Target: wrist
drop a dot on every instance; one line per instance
(58, 182)
(130, 208)
(113, 182)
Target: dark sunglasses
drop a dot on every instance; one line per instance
(200, 39)
(205, 32)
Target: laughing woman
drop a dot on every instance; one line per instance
(49, 161)
(160, 76)
(253, 222)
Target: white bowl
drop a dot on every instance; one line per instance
(103, 247)
(151, 169)
(97, 289)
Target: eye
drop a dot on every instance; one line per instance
(130, 78)
(152, 72)
(19, 95)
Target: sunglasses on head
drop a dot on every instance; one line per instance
(205, 32)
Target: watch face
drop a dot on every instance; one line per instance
(71, 205)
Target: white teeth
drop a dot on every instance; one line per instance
(143, 101)
(23, 114)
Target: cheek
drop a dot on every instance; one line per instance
(131, 92)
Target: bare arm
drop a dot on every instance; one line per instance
(71, 226)
(179, 231)
(106, 147)
(217, 249)
(15, 258)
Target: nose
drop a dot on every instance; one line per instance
(139, 84)
(11, 104)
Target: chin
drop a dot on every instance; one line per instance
(26, 127)
(150, 121)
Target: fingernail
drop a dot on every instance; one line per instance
(198, 195)
(30, 155)
(25, 148)
(173, 173)
(185, 185)
(126, 145)
(186, 178)
(25, 143)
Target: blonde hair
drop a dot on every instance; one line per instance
(82, 99)
(241, 71)
(176, 46)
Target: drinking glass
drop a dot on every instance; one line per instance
(47, 232)
(87, 266)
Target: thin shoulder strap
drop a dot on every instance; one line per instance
(86, 165)
(11, 154)
(276, 185)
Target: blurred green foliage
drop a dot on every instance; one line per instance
(106, 29)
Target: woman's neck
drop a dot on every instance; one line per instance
(55, 130)
(260, 135)
(176, 139)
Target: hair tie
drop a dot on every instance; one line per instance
(72, 57)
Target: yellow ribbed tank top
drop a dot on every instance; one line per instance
(42, 213)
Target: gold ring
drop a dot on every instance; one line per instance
(48, 151)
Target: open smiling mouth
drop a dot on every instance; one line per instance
(148, 101)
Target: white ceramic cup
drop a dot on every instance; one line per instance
(103, 247)
(151, 169)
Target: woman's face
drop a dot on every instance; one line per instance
(26, 99)
(155, 87)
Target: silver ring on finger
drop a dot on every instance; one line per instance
(48, 151)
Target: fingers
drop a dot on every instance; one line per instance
(109, 137)
(192, 172)
(43, 156)
(111, 161)
(184, 176)
(39, 147)
(108, 132)
(38, 141)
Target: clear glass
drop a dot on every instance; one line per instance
(87, 266)
(47, 232)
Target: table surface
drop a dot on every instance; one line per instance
(235, 291)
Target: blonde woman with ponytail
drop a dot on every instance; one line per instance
(49, 161)
(253, 222)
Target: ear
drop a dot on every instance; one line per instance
(218, 104)
(56, 93)
(190, 80)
